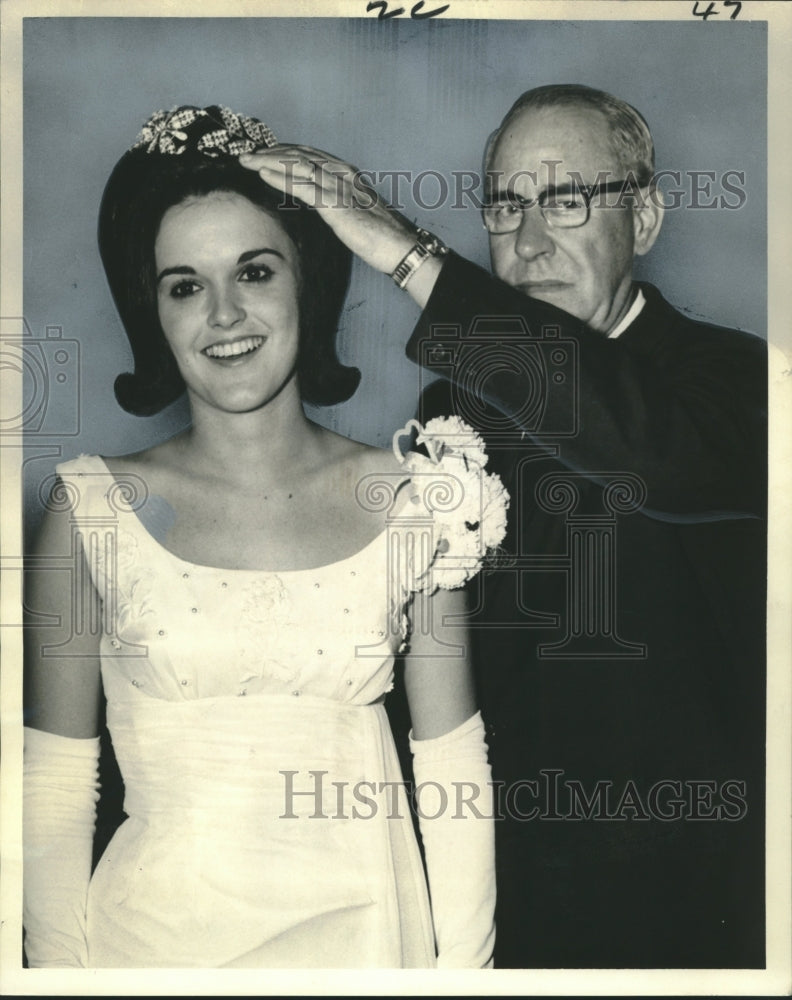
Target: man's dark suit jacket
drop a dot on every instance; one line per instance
(638, 523)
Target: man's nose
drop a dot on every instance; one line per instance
(227, 309)
(534, 237)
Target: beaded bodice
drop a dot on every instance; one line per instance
(176, 630)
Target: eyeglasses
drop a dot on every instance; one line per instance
(561, 208)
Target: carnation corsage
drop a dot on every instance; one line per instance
(465, 506)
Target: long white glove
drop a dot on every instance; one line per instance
(459, 842)
(60, 791)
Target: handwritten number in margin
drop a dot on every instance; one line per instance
(416, 12)
(710, 11)
(429, 13)
(384, 13)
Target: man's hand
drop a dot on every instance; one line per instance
(359, 217)
(371, 228)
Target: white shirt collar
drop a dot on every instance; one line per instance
(632, 313)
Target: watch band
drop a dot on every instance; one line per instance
(427, 245)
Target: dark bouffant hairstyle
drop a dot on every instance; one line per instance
(141, 188)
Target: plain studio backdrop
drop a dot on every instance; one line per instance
(398, 95)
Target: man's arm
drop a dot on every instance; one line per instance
(684, 409)
(686, 414)
(371, 228)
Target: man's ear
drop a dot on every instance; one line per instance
(648, 214)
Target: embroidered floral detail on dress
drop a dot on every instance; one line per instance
(467, 505)
(265, 599)
(116, 554)
(265, 609)
(128, 554)
(134, 603)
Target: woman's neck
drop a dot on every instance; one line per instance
(268, 441)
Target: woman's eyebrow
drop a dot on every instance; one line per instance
(243, 259)
(250, 254)
(182, 269)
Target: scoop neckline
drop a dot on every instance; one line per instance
(203, 567)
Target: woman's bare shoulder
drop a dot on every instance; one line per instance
(364, 459)
(147, 461)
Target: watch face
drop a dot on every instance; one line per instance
(433, 244)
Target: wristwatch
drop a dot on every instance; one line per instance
(427, 245)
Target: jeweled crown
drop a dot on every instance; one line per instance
(213, 131)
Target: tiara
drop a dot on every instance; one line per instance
(219, 131)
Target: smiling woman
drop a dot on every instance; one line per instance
(246, 646)
(228, 311)
(142, 188)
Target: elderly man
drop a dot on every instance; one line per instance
(620, 643)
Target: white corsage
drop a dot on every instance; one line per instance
(467, 506)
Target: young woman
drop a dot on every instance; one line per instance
(256, 574)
